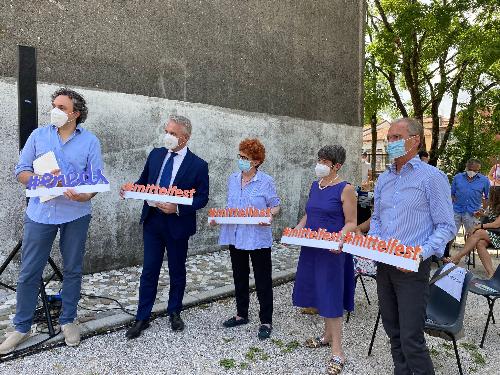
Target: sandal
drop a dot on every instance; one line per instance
(315, 342)
(335, 365)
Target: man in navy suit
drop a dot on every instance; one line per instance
(168, 225)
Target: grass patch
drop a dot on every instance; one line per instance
(291, 346)
(447, 346)
(228, 363)
(434, 352)
(477, 357)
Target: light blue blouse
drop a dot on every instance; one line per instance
(260, 193)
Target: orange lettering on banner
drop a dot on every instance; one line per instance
(179, 193)
(348, 238)
(392, 246)
(212, 212)
(140, 188)
(399, 250)
(381, 246)
(417, 252)
(162, 191)
(358, 240)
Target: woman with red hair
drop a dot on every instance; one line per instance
(250, 187)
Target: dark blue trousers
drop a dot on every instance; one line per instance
(156, 238)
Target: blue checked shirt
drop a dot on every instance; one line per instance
(260, 193)
(414, 206)
(76, 154)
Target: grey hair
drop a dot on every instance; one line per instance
(472, 162)
(181, 120)
(414, 127)
(334, 153)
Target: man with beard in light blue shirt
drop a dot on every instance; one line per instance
(76, 150)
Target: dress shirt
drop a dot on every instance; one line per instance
(414, 206)
(469, 193)
(80, 151)
(260, 193)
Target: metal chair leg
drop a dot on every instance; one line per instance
(457, 355)
(491, 303)
(374, 333)
(364, 289)
(348, 317)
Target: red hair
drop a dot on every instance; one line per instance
(253, 148)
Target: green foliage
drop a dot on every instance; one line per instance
(429, 50)
(228, 363)
(474, 137)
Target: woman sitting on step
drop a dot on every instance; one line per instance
(484, 235)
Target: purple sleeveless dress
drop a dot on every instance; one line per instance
(325, 280)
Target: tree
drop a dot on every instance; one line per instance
(376, 99)
(431, 49)
(475, 136)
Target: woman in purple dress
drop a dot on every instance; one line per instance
(325, 278)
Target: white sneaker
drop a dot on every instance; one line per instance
(71, 332)
(13, 339)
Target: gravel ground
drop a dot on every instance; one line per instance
(205, 347)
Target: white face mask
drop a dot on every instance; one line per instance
(170, 141)
(322, 170)
(471, 174)
(58, 117)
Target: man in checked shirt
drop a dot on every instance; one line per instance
(412, 203)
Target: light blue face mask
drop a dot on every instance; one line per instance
(244, 165)
(397, 149)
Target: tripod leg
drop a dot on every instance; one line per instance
(56, 269)
(46, 308)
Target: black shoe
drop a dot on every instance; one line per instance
(264, 332)
(233, 322)
(176, 322)
(135, 331)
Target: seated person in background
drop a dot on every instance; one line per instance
(483, 235)
(424, 156)
(494, 175)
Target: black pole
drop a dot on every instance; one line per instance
(26, 92)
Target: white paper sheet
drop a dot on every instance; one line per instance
(45, 164)
(453, 282)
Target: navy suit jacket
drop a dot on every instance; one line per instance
(192, 174)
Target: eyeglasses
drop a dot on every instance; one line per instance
(243, 157)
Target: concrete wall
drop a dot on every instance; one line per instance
(130, 125)
(293, 58)
(288, 72)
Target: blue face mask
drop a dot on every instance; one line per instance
(244, 165)
(396, 149)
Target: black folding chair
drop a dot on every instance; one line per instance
(445, 315)
(489, 289)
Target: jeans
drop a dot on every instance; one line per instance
(37, 244)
